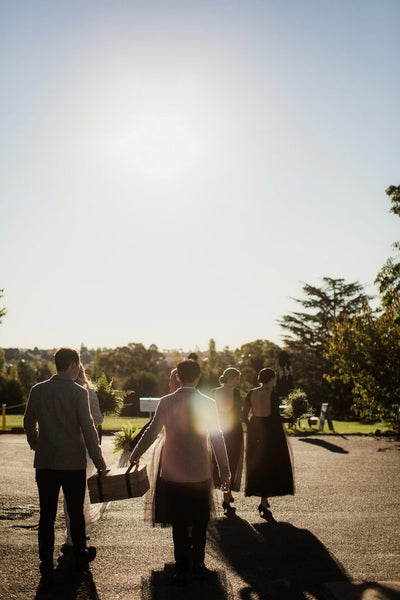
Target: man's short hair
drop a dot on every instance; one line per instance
(64, 357)
(188, 370)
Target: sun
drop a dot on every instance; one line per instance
(160, 141)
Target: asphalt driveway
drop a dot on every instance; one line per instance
(340, 530)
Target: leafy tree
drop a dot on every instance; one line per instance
(143, 383)
(227, 358)
(254, 356)
(307, 334)
(12, 354)
(125, 361)
(211, 367)
(45, 371)
(2, 360)
(26, 375)
(12, 394)
(388, 278)
(13, 373)
(3, 310)
(87, 355)
(365, 352)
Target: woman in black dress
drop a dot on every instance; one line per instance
(229, 405)
(268, 462)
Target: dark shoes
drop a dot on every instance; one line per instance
(228, 509)
(83, 560)
(266, 514)
(200, 572)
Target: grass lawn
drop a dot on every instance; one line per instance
(341, 427)
(109, 424)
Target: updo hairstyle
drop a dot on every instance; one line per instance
(228, 374)
(265, 375)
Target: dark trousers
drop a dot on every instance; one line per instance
(188, 547)
(73, 484)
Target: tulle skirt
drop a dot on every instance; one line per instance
(166, 500)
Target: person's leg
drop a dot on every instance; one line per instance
(48, 482)
(180, 535)
(68, 538)
(199, 533)
(89, 524)
(74, 485)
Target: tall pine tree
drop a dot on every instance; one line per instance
(307, 333)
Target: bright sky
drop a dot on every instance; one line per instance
(171, 171)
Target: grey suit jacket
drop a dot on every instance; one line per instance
(59, 426)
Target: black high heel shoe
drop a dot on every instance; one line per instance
(266, 514)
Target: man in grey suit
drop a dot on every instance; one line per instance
(59, 427)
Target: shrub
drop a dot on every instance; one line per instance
(12, 394)
(125, 436)
(110, 399)
(297, 403)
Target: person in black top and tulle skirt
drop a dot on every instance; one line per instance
(269, 469)
(229, 405)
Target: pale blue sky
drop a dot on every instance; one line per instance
(172, 171)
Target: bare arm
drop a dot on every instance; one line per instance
(150, 435)
(246, 408)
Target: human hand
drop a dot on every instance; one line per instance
(225, 484)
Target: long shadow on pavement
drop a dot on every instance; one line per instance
(324, 444)
(160, 587)
(68, 584)
(276, 560)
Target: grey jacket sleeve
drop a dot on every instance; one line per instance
(30, 422)
(89, 431)
(151, 433)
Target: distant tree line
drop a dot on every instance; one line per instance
(342, 351)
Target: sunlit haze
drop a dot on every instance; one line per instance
(172, 171)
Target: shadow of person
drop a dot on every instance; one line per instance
(160, 586)
(298, 555)
(324, 444)
(368, 590)
(68, 584)
(276, 560)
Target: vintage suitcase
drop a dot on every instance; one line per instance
(118, 484)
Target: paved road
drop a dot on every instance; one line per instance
(341, 526)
